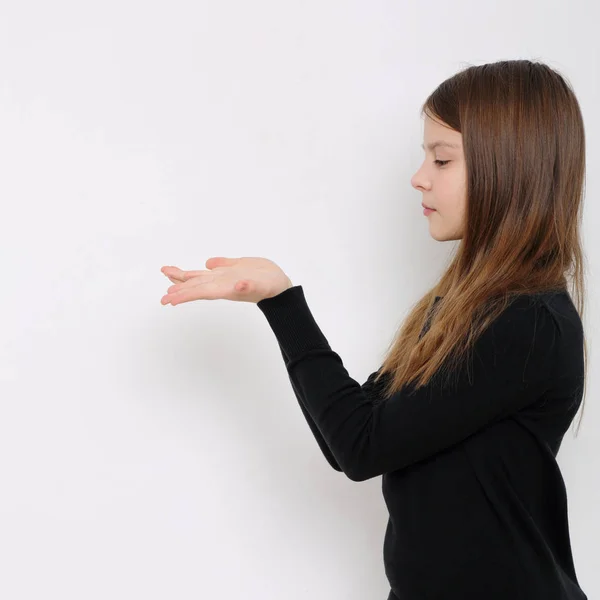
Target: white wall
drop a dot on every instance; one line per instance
(155, 452)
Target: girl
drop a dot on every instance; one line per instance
(465, 417)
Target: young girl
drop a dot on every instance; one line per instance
(466, 415)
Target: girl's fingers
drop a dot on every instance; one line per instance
(174, 275)
(173, 279)
(179, 274)
(172, 272)
(189, 279)
(179, 278)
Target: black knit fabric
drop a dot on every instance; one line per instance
(477, 503)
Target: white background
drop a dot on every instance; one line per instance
(158, 452)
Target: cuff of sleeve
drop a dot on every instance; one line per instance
(292, 322)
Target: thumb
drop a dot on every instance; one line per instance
(220, 261)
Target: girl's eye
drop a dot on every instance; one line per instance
(441, 163)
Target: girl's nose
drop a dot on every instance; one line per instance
(419, 182)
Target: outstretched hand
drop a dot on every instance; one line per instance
(245, 279)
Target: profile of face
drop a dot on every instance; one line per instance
(442, 179)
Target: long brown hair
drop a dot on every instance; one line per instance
(524, 146)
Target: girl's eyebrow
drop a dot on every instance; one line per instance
(433, 145)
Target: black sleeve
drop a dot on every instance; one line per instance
(311, 423)
(367, 386)
(513, 363)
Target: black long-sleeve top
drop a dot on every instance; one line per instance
(477, 503)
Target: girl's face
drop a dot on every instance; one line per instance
(442, 178)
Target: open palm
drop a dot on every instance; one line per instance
(244, 279)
